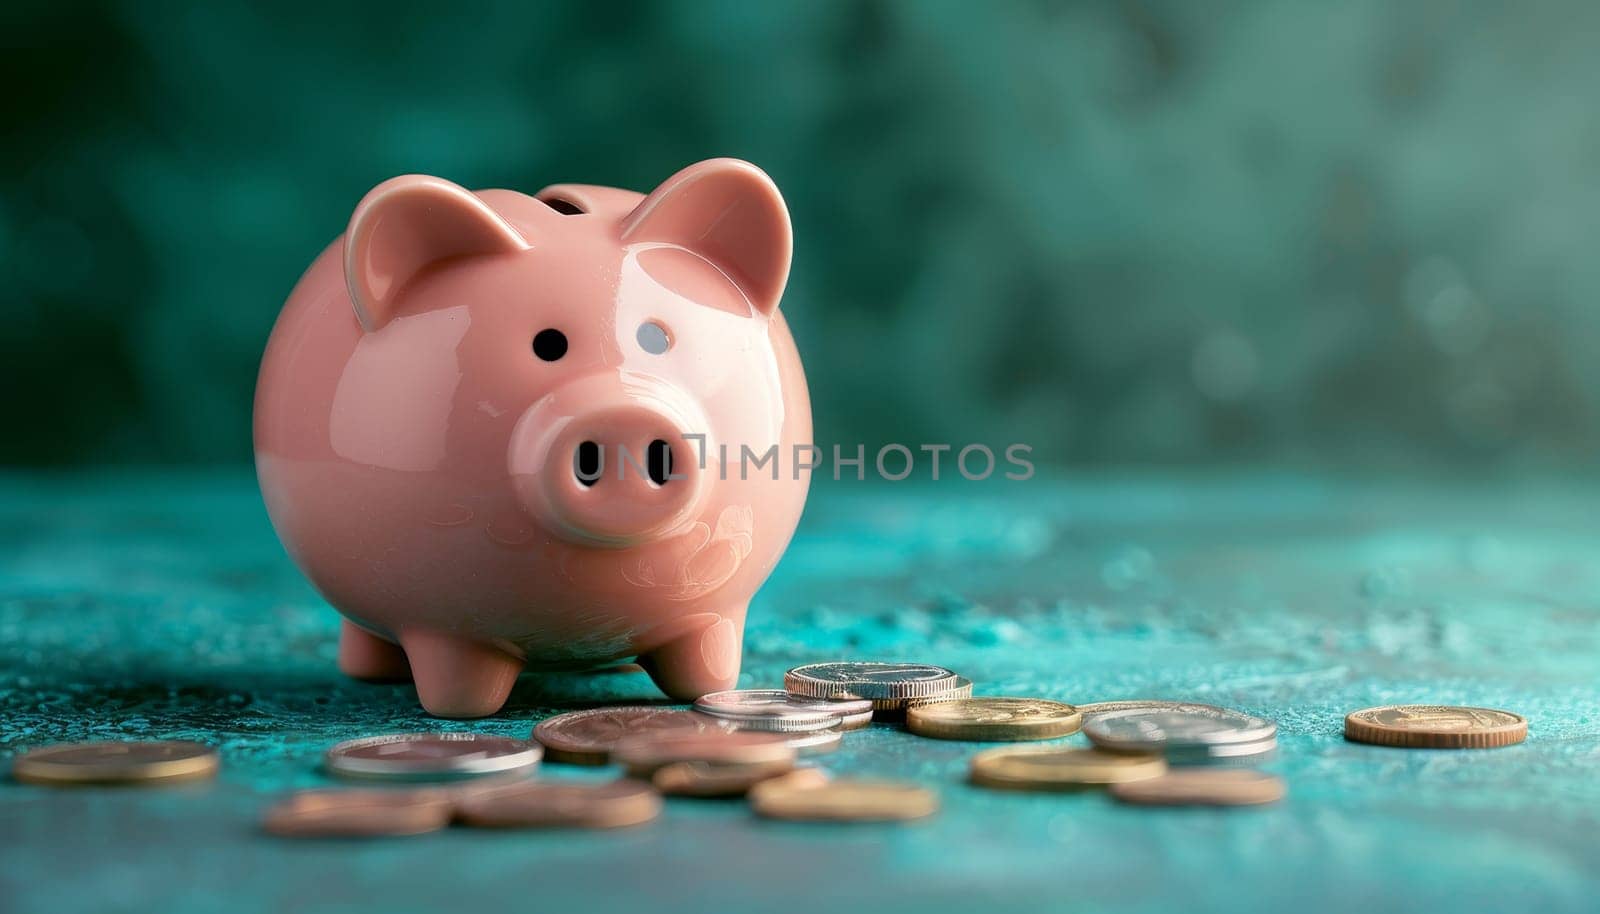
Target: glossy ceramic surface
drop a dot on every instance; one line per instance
(422, 459)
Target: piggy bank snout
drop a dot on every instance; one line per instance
(617, 473)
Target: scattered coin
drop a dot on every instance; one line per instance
(359, 813)
(1435, 727)
(586, 737)
(775, 709)
(540, 804)
(994, 719)
(430, 756)
(843, 801)
(802, 777)
(704, 779)
(1097, 708)
(1061, 769)
(816, 742)
(1252, 753)
(1203, 787)
(116, 763)
(887, 685)
(642, 754)
(1191, 733)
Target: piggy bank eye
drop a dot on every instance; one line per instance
(653, 338)
(550, 344)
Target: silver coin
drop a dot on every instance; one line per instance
(817, 741)
(1097, 708)
(423, 756)
(1251, 753)
(775, 709)
(1181, 730)
(895, 708)
(870, 680)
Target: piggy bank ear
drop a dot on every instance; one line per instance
(728, 212)
(407, 223)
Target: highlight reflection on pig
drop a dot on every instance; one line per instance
(455, 387)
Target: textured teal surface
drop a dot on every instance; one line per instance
(163, 607)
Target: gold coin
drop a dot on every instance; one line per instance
(1061, 769)
(116, 763)
(1203, 787)
(993, 719)
(843, 801)
(1435, 727)
(705, 779)
(359, 813)
(541, 804)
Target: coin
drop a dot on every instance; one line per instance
(1222, 753)
(802, 777)
(116, 763)
(843, 801)
(1097, 708)
(775, 709)
(704, 779)
(1194, 729)
(352, 813)
(430, 756)
(894, 709)
(993, 719)
(1203, 787)
(541, 804)
(586, 737)
(1061, 769)
(886, 685)
(816, 742)
(1435, 727)
(643, 753)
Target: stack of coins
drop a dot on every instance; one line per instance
(775, 709)
(890, 687)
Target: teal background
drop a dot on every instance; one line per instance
(1356, 234)
(1293, 300)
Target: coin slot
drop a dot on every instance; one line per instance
(564, 206)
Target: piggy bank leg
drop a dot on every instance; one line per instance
(704, 660)
(456, 677)
(363, 655)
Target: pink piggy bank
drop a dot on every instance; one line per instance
(501, 432)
